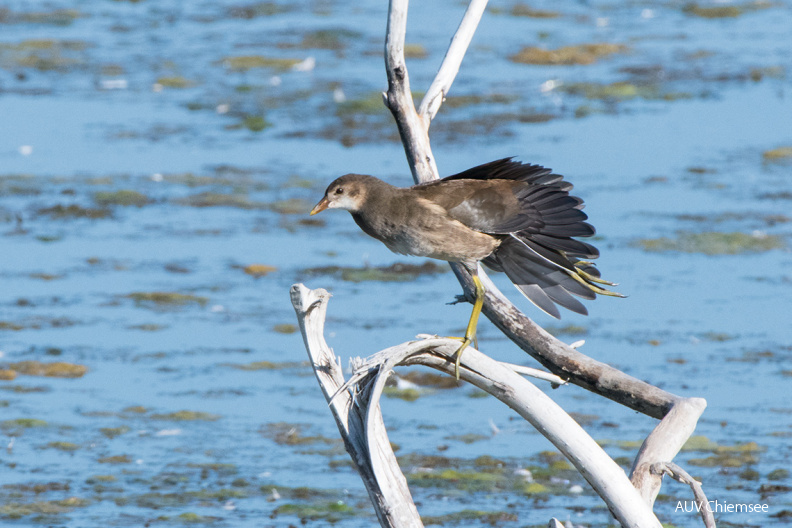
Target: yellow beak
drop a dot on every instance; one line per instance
(321, 206)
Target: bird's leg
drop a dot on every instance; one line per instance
(470, 332)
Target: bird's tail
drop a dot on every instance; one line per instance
(550, 276)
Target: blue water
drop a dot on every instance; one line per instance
(697, 325)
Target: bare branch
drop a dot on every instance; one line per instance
(453, 60)
(663, 443)
(676, 472)
(604, 475)
(375, 462)
(412, 128)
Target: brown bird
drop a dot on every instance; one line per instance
(512, 217)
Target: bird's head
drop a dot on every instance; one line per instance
(347, 192)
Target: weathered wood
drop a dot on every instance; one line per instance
(369, 445)
(355, 404)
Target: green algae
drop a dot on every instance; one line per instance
(258, 9)
(186, 416)
(270, 365)
(23, 423)
(430, 379)
(43, 54)
(415, 51)
(113, 432)
(330, 39)
(724, 11)
(56, 17)
(285, 328)
(713, 243)
(175, 81)
(621, 91)
(524, 10)
(258, 270)
(284, 433)
(165, 299)
(51, 370)
(17, 510)
(290, 206)
(115, 459)
(493, 518)
(582, 54)
(778, 155)
(468, 438)
(330, 511)
(398, 272)
(408, 394)
(474, 481)
(255, 123)
(122, 197)
(248, 62)
(214, 199)
(63, 446)
(59, 212)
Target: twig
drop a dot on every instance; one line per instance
(370, 448)
(439, 88)
(677, 473)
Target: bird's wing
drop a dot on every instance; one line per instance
(508, 169)
(503, 206)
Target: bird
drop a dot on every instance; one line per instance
(513, 217)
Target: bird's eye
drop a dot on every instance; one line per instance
(340, 190)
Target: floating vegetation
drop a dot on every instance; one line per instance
(621, 91)
(407, 394)
(257, 9)
(23, 423)
(724, 11)
(524, 10)
(186, 416)
(248, 62)
(59, 211)
(778, 155)
(567, 55)
(284, 433)
(123, 197)
(56, 17)
(175, 81)
(63, 446)
(429, 379)
(284, 328)
(112, 432)
(398, 272)
(415, 51)
(43, 54)
(115, 459)
(713, 243)
(165, 299)
(258, 270)
(290, 206)
(329, 39)
(37, 323)
(213, 199)
(270, 365)
(51, 370)
(17, 510)
(331, 512)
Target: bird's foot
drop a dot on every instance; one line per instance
(466, 341)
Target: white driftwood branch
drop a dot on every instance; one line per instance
(375, 461)
(663, 443)
(357, 411)
(439, 88)
(412, 127)
(676, 472)
(368, 380)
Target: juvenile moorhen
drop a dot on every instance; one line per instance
(512, 217)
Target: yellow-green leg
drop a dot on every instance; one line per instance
(470, 332)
